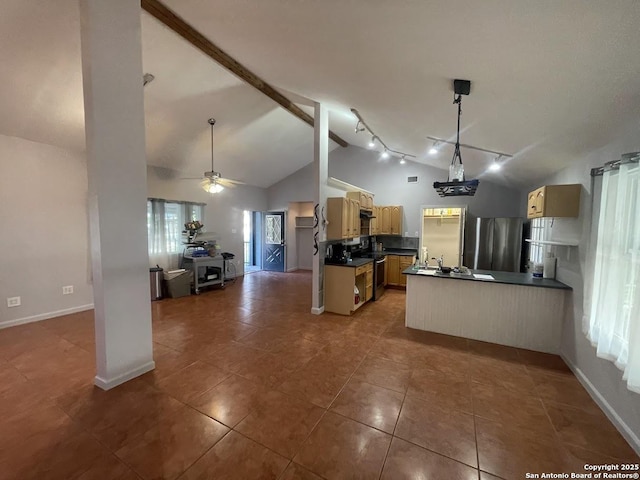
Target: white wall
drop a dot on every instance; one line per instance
(223, 212)
(388, 181)
(43, 234)
(601, 376)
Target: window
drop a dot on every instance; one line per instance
(165, 224)
(613, 307)
(539, 232)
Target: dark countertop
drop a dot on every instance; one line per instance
(355, 262)
(509, 278)
(400, 251)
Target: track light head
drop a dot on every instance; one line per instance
(385, 154)
(434, 149)
(372, 142)
(403, 159)
(496, 165)
(359, 128)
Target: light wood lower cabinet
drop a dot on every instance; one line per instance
(395, 266)
(339, 283)
(393, 270)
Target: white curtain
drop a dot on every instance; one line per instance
(614, 301)
(165, 223)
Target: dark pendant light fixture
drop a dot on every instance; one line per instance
(456, 185)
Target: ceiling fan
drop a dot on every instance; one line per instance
(214, 182)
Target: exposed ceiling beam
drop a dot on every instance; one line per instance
(166, 16)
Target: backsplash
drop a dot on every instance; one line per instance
(393, 241)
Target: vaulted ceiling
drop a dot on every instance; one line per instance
(552, 80)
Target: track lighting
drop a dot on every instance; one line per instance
(495, 166)
(403, 159)
(362, 126)
(434, 149)
(147, 78)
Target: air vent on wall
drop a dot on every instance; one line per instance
(412, 179)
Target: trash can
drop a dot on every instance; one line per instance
(155, 279)
(178, 283)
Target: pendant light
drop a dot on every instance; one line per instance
(456, 184)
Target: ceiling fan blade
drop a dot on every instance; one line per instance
(231, 181)
(225, 183)
(190, 178)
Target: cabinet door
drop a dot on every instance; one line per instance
(396, 220)
(540, 196)
(354, 218)
(405, 262)
(531, 205)
(385, 224)
(338, 217)
(369, 287)
(374, 221)
(346, 219)
(393, 268)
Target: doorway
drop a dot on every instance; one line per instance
(442, 234)
(273, 244)
(252, 241)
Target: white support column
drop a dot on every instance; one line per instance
(115, 137)
(321, 173)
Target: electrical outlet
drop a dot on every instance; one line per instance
(13, 302)
(68, 290)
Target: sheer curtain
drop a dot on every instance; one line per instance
(614, 303)
(165, 223)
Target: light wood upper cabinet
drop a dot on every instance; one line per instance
(354, 218)
(390, 222)
(375, 221)
(396, 220)
(385, 220)
(365, 199)
(554, 201)
(343, 215)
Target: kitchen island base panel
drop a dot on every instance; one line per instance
(513, 315)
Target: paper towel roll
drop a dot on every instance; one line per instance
(549, 268)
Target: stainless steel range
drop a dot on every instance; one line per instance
(378, 273)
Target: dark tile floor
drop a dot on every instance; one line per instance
(248, 384)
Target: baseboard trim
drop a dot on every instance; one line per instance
(317, 310)
(624, 429)
(45, 316)
(105, 384)
(292, 269)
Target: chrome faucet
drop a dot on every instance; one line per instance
(440, 261)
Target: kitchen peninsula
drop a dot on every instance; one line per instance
(507, 308)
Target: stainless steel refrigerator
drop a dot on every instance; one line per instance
(493, 244)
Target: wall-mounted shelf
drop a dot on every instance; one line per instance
(304, 222)
(555, 243)
(551, 242)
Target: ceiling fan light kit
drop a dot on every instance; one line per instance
(213, 181)
(456, 184)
